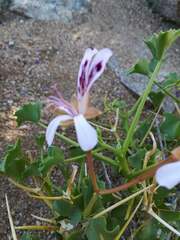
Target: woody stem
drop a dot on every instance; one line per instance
(90, 165)
(148, 174)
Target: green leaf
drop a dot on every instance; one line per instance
(160, 42)
(58, 156)
(156, 98)
(46, 164)
(76, 152)
(160, 196)
(171, 80)
(149, 231)
(75, 216)
(29, 112)
(141, 67)
(27, 236)
(76, 235)
(2, 166)
(66, 209)
(14, 164)
(117, 216)
(55, 157)
(40, 140)
(32, 170)
(142, 129)
(136, 160)
(63, 208)
(97, 230)
(170, 216)
(56, 153)
(153, 64)
(170, 128)
(87, 191)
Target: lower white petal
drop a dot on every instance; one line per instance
(86, 134)
(52, 127)
(168, 175)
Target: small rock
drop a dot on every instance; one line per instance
(50, 10)
(10, 102)
(168, 9)
(11, 43)
(137, 83)
(4, 4)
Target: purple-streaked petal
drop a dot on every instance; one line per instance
(86, 134)
(83, 70)
(52, 127)
(63, 105)
(168, 175)
(98, 65)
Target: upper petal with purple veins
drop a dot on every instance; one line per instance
(97, 66)
(91, 68)
(83, 70)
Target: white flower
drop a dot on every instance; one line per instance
(168, 175)
(78, 110)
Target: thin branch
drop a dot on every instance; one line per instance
(91, 171)
(43, 219)
(152, 124)
(128, 221)
(150, 173)
(167, 225)
(160, 138)
(121, 202)
(107, 176)
(10, 220)
(35, 227)
(71, 180)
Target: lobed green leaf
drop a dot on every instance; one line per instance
(14, 162)
(170, 128)
(97, 230)
(30, 112)
(159, 43)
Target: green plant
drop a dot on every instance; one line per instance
(83, 207)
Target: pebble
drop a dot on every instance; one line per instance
(10, 102)
(11, 43)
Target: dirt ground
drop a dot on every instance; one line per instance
(35, 55)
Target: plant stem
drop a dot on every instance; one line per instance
(152, 124)
(128, 221)
(121, 202)
(136, 118)
(138, 179)
(129, 208)
(108, 147)
(34, 227)
(167, 225)
(105, 159)
(91, 171)
(75, 144)
(13, 231)
(124, 163)
(90, 205)
(134, 107)
(168, 93)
